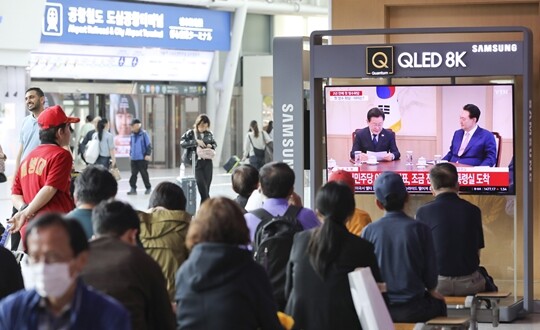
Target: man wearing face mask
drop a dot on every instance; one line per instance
(117, 267)
(55, 298)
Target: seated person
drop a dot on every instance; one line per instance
(245, 180)
(318, 292)
(405, 253)
(472, 145)
(164, 228)
(220, 286)
(456, 228)
(375, 138)
(360, 218)
(118, 267)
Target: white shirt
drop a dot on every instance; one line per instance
(258, 142)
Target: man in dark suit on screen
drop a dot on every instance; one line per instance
(375, 138)
(472, 145)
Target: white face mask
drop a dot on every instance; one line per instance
(49, 280)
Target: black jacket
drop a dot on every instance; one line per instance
(363, 141)
(188, 141)
(221, 287)
(315, 303)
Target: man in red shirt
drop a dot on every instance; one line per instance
(43, 179)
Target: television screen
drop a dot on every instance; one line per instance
(422, 125)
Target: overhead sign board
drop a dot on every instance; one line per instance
(421, 60)
(125, 24)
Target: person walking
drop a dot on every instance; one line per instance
(140, 152)
(255, 145)
(199, 142)
(106, 145)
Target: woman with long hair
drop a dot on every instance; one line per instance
(106, 144)
(199, 143)
(317, 284)
(255, 145)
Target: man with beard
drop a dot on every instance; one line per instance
(29, 136)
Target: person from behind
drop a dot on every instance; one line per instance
(88, 137)
(117, 267)
(140, 154)
(360, 218)
(319, 296)
(375, 138)
(200, 140)
(405, 253)
(42, 182)
(10, 277)
(164, 228)
(220, 286)
(272, 240)
(277, 185)
(255, 145)
(270, 129)
(472, 145)
(92, 186)
(55, 297)
(456, 227)
(245, 180)
(106, 145)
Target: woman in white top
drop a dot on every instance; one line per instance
(106, 145)
(255, 144)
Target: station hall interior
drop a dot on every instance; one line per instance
(166, 71)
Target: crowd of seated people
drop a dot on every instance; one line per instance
(105, 265)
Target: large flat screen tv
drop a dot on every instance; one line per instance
(425, 121)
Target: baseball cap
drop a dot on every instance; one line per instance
(135, 121)
(389, 183)
(54, 116)
(342, 176)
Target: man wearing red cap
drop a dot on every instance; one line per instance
(42, 181)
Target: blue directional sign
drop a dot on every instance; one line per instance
(125, 24)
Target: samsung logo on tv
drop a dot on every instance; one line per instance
(495, 48)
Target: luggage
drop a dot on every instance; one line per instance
(189, 186)
(231, 164)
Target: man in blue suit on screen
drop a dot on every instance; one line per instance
(375, 138)
(472, 145)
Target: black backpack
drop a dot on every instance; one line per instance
(272, 246)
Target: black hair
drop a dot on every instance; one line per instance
(245, 179)
(335, 202)
(394, 202)
(277, 180)
(77, 236)
(114, 218)
(89, 118)
(474, 111)
(168, 195)
(101, 126)
(253, 127)
(48, 135)
(375, 112)
(443, 175)
(270, 127)
(95, 184)
(38, 91)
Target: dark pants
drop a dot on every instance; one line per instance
(203, 175)
(136, 167)
(417, 310)
(105, 161)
